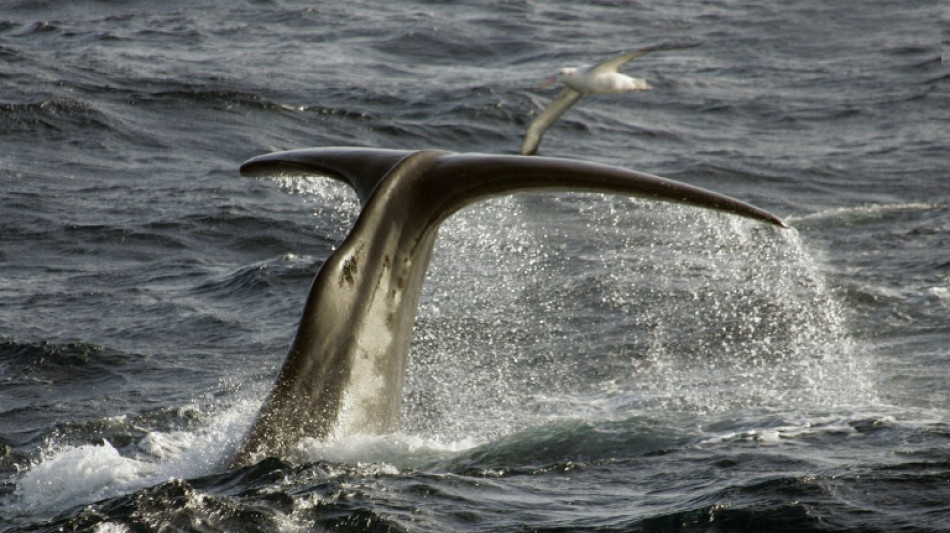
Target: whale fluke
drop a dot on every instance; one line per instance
(346, 367)
(360, 168)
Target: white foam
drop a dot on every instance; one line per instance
(79, 474)
(390, 453)
(66, 476)
(940, 293)
(110, 527)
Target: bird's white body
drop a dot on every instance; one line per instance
(590, 80)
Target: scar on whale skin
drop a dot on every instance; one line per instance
(346, 367)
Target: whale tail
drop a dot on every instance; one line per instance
(346, 367)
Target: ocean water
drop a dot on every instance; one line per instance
(580, 362)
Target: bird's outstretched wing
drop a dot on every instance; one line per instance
(613, 64)
(563, 102)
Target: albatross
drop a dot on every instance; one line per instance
(599, 78)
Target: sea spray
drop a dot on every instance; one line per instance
(610, 306)
(63, 476)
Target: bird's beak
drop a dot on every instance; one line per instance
(549, 81)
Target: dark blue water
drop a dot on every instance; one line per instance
(580, 362)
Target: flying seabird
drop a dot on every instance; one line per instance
(600, 78)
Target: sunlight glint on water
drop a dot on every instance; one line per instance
(758, 318)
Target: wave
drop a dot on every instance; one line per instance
(126, 454)
(339, 484)
(864, 214)
(434, 47)
(60, 362)
(56, 114)
(253, 279)
(38, 27)
(210, 98)
(561, 444)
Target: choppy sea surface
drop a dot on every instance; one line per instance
(580, 362)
